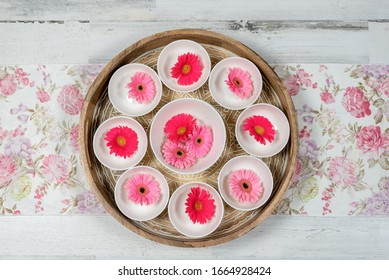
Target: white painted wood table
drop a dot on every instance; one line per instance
(282, 31)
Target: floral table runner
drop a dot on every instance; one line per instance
(343, 114)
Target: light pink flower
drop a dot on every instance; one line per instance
(7, 169)
(292, 85)
(201, 140)
(384, 87)
(371, 141)
(55, 168)
(327, 97)
(70, 100)
(43, 96)
(356, 103)
(87, 203)
(304, 77)
(8, 85)
(343, 171)
(73, 134)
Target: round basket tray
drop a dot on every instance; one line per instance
(98, 108)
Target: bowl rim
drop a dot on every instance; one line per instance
(207, 186)
(229, 162)
(191, 42)
(158, 93)
(136, 124)
(171, 103)
(238, 133)
(258, 94)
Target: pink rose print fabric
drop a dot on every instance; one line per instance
(342, 169)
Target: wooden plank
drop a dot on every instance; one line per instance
(379, 42)
(272, 10)
(77, 10)
(279, 237)
(43, 42)
(275, 41)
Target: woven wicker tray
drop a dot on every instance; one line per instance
(97, 108)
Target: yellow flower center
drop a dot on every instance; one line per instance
(259, 130)
(181, 130)
(245, 185)
(198, 206)
(121, 141)
(186, 69)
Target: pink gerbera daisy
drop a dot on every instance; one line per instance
(260, 128)
(187, 70)
(245, 185)
(179, 127)
(122, 141)
(178, 155)
(201, 140)
(141, 87)
(142, 189)
(240, 83)
(199, 205)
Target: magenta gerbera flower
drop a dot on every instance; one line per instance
(245, 185)
(240, 83)
(260, 128)
(122, 141)
(201, 140)
(141, 88)
(179, 127)
(187, 70)
(142, 189)
(178, 155)
(200, 206)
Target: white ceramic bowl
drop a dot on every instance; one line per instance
(181, 221)
(139, 212)
(102, 151)
(205, 115)
(220, 90)
(118, 93)
(280, 125)
(245, 162)
(168, 58)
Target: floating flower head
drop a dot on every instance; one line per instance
(245, 185)
(141, 87)
(179, 127)
(201, 140)
(178, 155)
(200, 206)
(187, 70)
(122, 141)
(240, 83)
(260, 128)
(142, 189)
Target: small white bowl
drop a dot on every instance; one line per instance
(118, 93)
(102, 151)
(181, 221)
(280, 125)
(245, 162)
(168, 57)
(205, 115)
(220, 90)
(139, 212)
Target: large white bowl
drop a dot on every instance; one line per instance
(102, 151)
(181, 221)
(136, 211)
(280, 125)
(205, 115)
(168, 58)
(118, 93)
(220, 90)
(245, 162)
